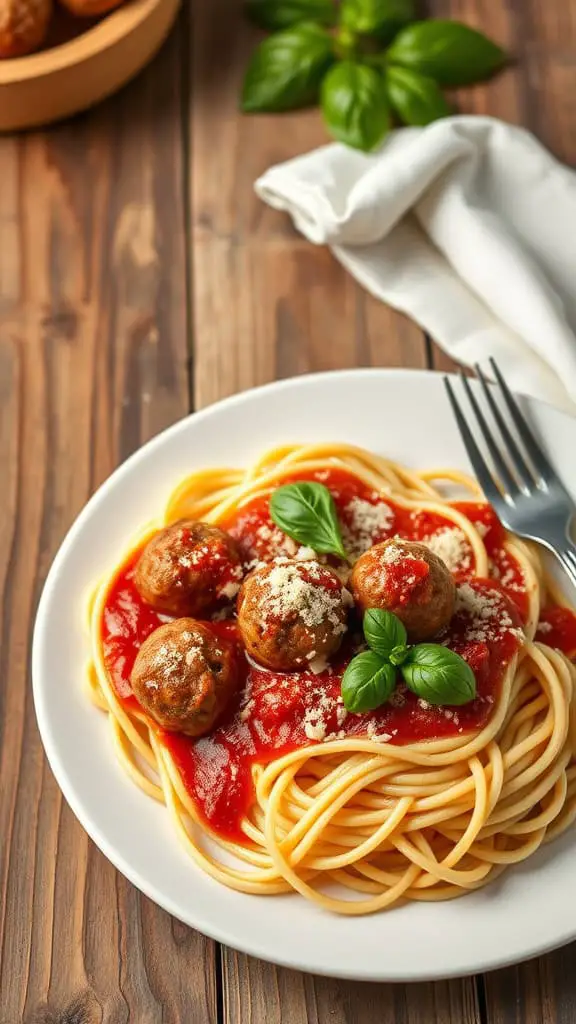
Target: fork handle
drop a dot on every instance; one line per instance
(566, 555)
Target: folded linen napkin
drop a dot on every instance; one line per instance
(468, 226)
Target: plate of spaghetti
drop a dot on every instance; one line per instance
(301, 687)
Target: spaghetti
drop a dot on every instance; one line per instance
(358, 812)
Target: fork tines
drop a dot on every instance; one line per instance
(521, 466)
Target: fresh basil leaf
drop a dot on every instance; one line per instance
(415, 98)
(439, 675)
(277, 14)
(377, 17)
(355, 105)
(447, 51)
(383, 631)
(287, 68)
(307, 513)
(367, 683)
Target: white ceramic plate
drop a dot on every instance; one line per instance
(400, 413)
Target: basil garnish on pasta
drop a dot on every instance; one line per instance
(367, 682)
(439, 675)
(383, 631)
(433, 672)
(306, 512)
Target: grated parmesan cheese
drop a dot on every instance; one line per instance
(486, 611)
(340, 735)
(341, 715)
(366, 522)
(375, 736)
(276, 541)
(394, 554)
(247, 711)
(318, 664)
(451, 546)
(544, 627)
(169, 659)
(288, 592)
(508, 577)
(315, 730)
(305, 554)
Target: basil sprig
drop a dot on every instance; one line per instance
(384, 631)
(355, 105)
(277, 14)
(439, 675)
(306, 512)
(366, 59)
(449, 52)
(433, 672)
(382, 18)
(367, 682)
(416, 99)
(287, 69)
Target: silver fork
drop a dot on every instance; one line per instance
(524, 489)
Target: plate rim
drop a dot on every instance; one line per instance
(67, 788)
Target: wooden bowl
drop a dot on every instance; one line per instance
(73, 75)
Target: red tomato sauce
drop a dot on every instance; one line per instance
(557, 628)
(403, 578)
(126, 623)
(259, 538)
(212, 559)
(502, 566)
(276, 713)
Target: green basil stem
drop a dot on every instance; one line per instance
(398, 655)
(344, 43)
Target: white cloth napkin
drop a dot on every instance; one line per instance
(468, 226)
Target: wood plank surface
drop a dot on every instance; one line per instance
(93, 361)
(125, 236)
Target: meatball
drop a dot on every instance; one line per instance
(291, 613)
(409, 580)
(188, 569)
(184, 676)
(23, 26)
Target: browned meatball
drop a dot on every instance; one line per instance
(189, 569)
(23, 26)
(184, 676)
(291, 613)
(409, 580)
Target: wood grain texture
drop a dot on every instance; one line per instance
(255, 992)
(267, 304)
(93, 360)
(98, 297)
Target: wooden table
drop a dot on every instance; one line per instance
(139, 279)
